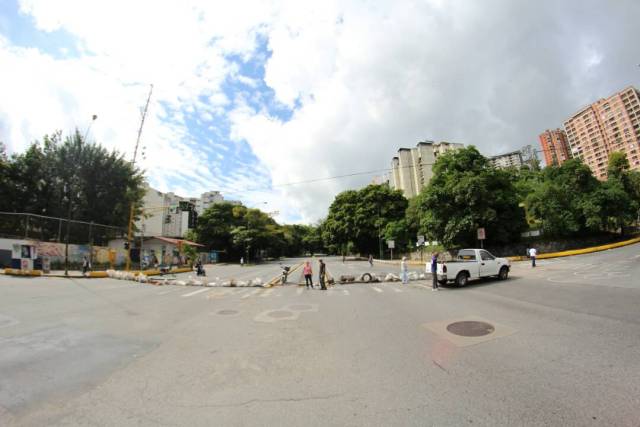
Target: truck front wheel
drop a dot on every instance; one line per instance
(504, 273)
(462, 278)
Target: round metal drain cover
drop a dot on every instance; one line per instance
(470, 328)
(280, 314)
(227, 312)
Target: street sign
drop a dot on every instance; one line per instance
(420, 240)
(391, 244)
(481, 234)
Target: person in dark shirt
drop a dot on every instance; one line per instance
(323, 273)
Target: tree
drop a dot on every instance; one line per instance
(61, 175)
(359, 218)
(466, 193)
(566, 202)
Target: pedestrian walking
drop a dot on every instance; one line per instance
(308, 274)
(322, 275)
(434, 271)
(532, 254)
(404, 272)
(85, 265)
(241, 261)
(370, 260)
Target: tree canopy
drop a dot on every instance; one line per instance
(358, 219)
(58, 173)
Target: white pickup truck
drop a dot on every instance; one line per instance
(472, 264)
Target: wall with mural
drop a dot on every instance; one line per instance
(100, 255)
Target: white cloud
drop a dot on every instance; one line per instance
(363, 78)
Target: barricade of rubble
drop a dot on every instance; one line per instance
(190, 281)
(379, 277)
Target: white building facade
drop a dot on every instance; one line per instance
(412, 168)
(507, 160)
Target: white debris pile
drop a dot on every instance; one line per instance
(391, 278)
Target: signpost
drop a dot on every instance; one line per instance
(481, 236)
(391, 244)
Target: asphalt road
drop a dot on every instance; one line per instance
(563, 348)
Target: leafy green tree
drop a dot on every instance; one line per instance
(61, 176)
(360, 217)
(567, 202)
(466, 193)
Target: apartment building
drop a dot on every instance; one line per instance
(512, 159)
(555, 146)
(162, 218)
(412, 168)
(607, 125)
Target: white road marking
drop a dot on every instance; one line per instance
(255, 291)
(299, 291)
(397, 290)
(377, 289)
(266, 293)
(167, 292)
(346, 292)
(199, 291)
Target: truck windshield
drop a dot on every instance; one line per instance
(467, 255)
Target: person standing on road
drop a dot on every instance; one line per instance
(404, 272)
(241, 261)
(322, 275)
(370, 260)
(532, 254)
(434, 271)
(308, 274)
(85, 265)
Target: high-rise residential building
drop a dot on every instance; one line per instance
(163, 219)
(555, 146)
(512, 159)
(207, 199)
(611, 124)
(412, 168)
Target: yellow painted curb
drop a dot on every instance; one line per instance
(15, 272)
(98, 274)
(579, 251)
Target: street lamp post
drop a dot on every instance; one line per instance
(66, 238)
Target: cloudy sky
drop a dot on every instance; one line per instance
(252, 95)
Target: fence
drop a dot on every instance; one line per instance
(51, 229)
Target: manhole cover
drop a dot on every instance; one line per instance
(300, 307)
(227, 312)
(470, 328)
(280, 314)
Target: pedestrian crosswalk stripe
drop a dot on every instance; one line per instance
(377, 289)
(255, 291)
(397, 290)
(299, 291)
(199, 291)
(266, 293)
(346, 292)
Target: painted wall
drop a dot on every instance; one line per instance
(55, 251)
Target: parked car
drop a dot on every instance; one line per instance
(471, 264)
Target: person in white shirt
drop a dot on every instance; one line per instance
(404, 271)
(532, 254)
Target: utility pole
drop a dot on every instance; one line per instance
(133, 163)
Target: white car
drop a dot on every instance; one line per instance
(471, 264)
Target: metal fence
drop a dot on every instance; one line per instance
(15, 225)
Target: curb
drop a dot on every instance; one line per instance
(579, 251)
(28, 273)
